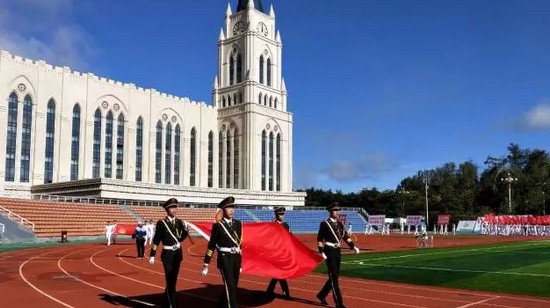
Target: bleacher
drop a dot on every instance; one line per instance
(300, 221)
(85, 219)
(155, 213)
(50, 218)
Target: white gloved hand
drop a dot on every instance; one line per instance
(152, 260)
(204, 271)
(356, 250)
(241, 270)
(324, 255)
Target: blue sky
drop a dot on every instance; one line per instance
(379, 89)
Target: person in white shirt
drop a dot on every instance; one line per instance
(108, 232)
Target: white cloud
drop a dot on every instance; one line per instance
(45, 30)
(538, 117)
(369, 166)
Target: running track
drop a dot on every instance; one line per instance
(96, 275)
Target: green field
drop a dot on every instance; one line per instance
(516, 268)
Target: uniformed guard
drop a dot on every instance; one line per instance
(226, 238)
(279, 217)
(331, 233)
(171, 231)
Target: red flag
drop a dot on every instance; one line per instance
(124, 229)
(269, 250)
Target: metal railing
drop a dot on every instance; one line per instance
(17, 218)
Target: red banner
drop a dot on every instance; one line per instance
(269, 250)
(443, 219)
(517, 219)
(122, 229)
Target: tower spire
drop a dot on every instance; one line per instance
(243, 5)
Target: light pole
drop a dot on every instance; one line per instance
(425, 181)
(509, 180)
(403, 192)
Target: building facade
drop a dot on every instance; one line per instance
(63, 127)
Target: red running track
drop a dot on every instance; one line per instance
(96, 275)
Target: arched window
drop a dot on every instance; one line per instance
(26, 139)
(260, 98)
(11, 140)
(235, 101)
(278, 163)
(193, 156)
(228, 161)
(139, 150)
(75, 143)
(120, 147)
(229, 100)
(96, 155)
(223, 102)
(240, 97)
(239, 68)
(210, 159)
(271, 161)
(168, 155)
(264, 148)
(271, 101)
(262, 69)
(231, 70)
(275, 104)
(220, 160)
(269, 72)
(236, 159)
(265, 100)
(177, 155)
(109, 145)
(158, 154)
(50, 134)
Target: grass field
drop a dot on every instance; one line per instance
(516, 268)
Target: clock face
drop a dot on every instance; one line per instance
(239, 28)
(262, 28)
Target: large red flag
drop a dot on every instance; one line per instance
(269, 250)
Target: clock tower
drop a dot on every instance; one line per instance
(255, 128)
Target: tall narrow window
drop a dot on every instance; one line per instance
(268, 69)
(262, 69)
(278, 163)
(211, 159)
(271, 161)
(220, 160)
(26, 138)
(96, 159)
(120, 147)
(260, 98)
(193, 157)
(177, 154)
(239, 68)
(168, 155)
(139, 150)
(11, 140)
(264, 148)
(158, 154)
(228, 161)
(50, 133)
(236, 159)
(223, 102)
(75, 143)
(275, 104)
(109, 145)
(231, 70)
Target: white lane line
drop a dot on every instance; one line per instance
(98, 287)
(478, 302)
(37, 289)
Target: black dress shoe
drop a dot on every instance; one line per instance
(322, 300)
(287, 297)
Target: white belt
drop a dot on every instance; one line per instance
(173, 247)
(333, 245)
(230, 249)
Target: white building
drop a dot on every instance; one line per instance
(70, 133)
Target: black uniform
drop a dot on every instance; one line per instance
(171, 255)
(282, 282)
(226, 237)
(330, 245)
